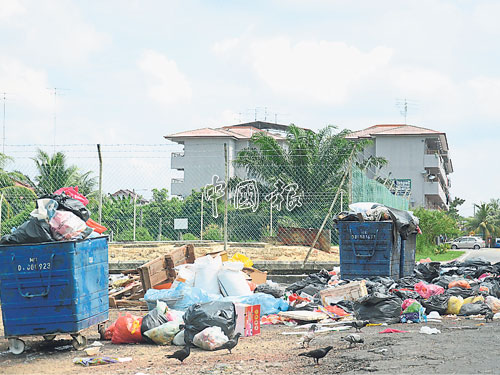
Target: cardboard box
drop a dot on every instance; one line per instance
(257, 276)
(247, 319)
(222, 253)
(349, 292)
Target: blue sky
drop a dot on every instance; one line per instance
(138, 70)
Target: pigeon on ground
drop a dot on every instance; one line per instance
(317, 353)
(353, 339)
(181, 354)
(358, 324)
(229, 345)
(308, 337)
(489, 316)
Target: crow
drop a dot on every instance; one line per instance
(358, 324)
(308, 337)
(229, 345)
(353, 339)
(317, 353)
(489, 316)
(181, 354)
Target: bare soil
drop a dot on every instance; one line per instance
(124, 252)
(454, 351)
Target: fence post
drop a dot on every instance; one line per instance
(226, 172)
(350, 183)
(201, 213)
(135, 200)
(159, 231)
(100, 182)
(1, 204)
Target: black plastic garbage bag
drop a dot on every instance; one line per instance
(209, 314)
(31, 231)
(445, 280)
(479, 308)
(408, 282)
(152, 320)
(69, 204)
(347, 306)
(475, 262)
(376, 287)
(275, 290)
(428, 271)
(438, 302)
(493, 285)
(406, 294)
(462, 292)
(378, 308)
(318, 281)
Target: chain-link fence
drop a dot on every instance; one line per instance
(285, 203)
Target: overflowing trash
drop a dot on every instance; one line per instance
(61, 216)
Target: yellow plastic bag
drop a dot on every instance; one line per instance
(238, 257)
(454, 305)
(473, 299)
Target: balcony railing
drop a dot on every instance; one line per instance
(177, 180)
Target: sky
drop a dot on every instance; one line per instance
(128, 73)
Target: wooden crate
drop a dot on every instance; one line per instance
(161, 270)
(348, 292)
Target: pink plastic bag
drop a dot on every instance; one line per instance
(427, 290)
(73, 193)
(66, 225)
(407, 302)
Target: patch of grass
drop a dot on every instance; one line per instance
(449, 255)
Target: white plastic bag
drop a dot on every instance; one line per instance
(493, 303)
(186, 273)
(210, 338)
(164, 334)
(66, 225)
(207, 269)
(232, 280)
(179, 339)
(46, 209)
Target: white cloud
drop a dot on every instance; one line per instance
(321, 71)
(166, 83)
(226, 45)
(10, 8)
(25, 84)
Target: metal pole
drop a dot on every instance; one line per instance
(100, 181)
(226, 157)
(135, 199)
(271, 220)
(3, 144)
(341, 200)
(159, 231)
(1, 204)
(329, 211)
(201, 214)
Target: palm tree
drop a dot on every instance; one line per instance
(54, 173)
(314, 161)
(481, 222)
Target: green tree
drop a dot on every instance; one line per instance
(54, 173)
(434, 223)
(453, 210)
(482, 221)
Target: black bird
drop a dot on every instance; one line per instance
(181, 354)
(353, 339)
(317, 353)
(489, 316)
(229, 345)
(358, 324)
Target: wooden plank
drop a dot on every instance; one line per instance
(129, 304)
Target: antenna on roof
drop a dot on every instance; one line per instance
(55, 109)
(4, 98)
(404, 105)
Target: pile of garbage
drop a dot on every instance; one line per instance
(61, 216)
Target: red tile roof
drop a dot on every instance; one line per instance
(237, 132)
(392, 129)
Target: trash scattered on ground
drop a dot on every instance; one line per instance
(94, 361)
(393, 330)
(429, 330)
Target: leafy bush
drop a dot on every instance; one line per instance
(442, 248)
(189, 237)
(141, 234)
(212, 232)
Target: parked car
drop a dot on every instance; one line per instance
(468, 242)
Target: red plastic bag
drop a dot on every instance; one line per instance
(407, 302)
(336, 310)
(108, 334)
(127, 329)
(461, 283)
(73, 193)
(96, 226)
(393, 330)
(427, 290)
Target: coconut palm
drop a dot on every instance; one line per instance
(481, 221)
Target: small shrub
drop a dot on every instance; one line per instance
(212, 232)
(442, 248)
(189, 237)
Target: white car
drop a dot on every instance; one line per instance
(468, 242)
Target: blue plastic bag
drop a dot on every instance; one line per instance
(268, 303)
(179, 298)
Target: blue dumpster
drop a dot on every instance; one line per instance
(53, 288)
(408, 249)
(369, 249)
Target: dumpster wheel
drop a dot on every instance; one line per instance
(79, 342)
(16, 346)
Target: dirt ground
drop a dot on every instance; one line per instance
(124, 252)
(465, 346)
